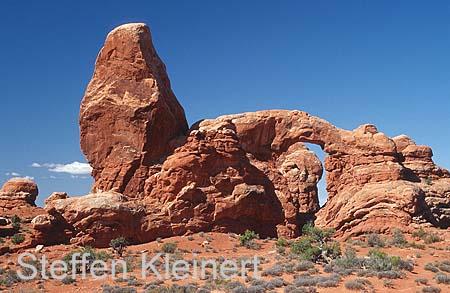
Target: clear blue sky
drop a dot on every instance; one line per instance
(349, 62)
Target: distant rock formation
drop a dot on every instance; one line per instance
(18, 192)
(155, 178)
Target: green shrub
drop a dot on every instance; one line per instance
(118, 245)
(316, 234)
(431, 289)
(398, 238)
(431, 267)
(380, 261)
(421, 281)
(442, 278)
(17, 238)
(68, 280)
(419, 233)
(281, 242)
(248, 239)
(316, 244)
(92, 255)
(374, 240)
(358, 284)
(169, 247)
(432, 238)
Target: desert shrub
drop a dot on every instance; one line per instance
(388, 283)
(444, 266)
(421, 281)
(293, 289)
(426, 236)
(304, 265)
(316, 245)
(321, 281)
(357, 284)
(398, 238)
(17, 238)
(419, 233)
(118, 245)
(380, 261)
(413, 244)
(92, 255)
(276, 283)
(10, 278)
(281, 242)
(432, 238)
(68, 280)
(345, 264)
(431, 289)
(169, 247)
(319, 235)
(256, 289)
(247, 239)
(392, 274)
(16, 221)
(116, 289)
(374, 240)
(431, 267)
(276, 270)
(442, 278)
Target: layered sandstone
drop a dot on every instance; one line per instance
(154, 178)
(129, 116)
(18, 192)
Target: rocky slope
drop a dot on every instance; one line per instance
(155, 178)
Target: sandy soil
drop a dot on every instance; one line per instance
(227, 246)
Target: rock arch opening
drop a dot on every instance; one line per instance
(322, 184)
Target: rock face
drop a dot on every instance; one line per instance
(18, 192)
(154, 178)
(129, 116)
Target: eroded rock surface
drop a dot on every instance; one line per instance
(129, 116)
(154, 178)
(18, 192)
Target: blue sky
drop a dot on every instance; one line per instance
(349, 62)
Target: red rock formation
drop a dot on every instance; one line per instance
(232, 173)
(129, 116)
(18, 192)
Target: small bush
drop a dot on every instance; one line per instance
(276, 283)
(276, 270)
(169, 247)
(431, 289)
(281, 242)
(432, 238)
(358, 284)
(421, 281)
(247, 238)
(118, 245)
(431, 267)
(16, 221)
(398, 238)
(388, 284)
(442, 278)
(419, 233)
(17, 238)
(68, 280)
(374, 240)
(390, 275)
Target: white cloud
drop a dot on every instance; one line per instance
(25, 177)
(75, 168)
(12, 174)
